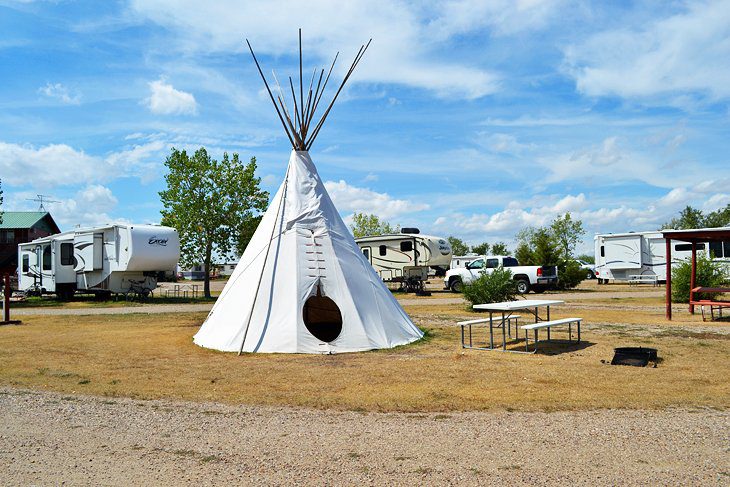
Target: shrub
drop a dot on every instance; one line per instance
(709, 274)
(570, 274)
(492, 288)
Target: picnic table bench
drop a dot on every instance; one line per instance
(712, 304)
(468, 325)
(548, 325)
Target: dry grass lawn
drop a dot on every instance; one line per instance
(152, 356)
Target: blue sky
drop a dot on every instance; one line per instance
(465, 118)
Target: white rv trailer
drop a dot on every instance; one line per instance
(400, 256)
(619, 256)
(460, 261)
(110, 259)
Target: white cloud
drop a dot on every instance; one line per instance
(352, 198)
(610, 161)
(677, 196)
(61, 165)
(402, 52)
(681, 56)
(502, 143)
(61, 93)
(719, 200)
(52, 165)
(89, 206)
(508, 222)
(166, 100)
(371, 177)
(503, 17)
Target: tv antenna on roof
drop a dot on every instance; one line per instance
(42, 199)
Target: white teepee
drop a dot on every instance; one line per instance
(303, 285)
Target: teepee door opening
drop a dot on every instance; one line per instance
(322, 317)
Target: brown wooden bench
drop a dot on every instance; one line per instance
(712, 304)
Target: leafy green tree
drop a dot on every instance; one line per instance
(481, 249)
(550, 246)
(688, 218)
(365, 225)
(524, 254)
(570, 274)
(215, 206)
(494, 287)
(458, 246)
(710, 273)
(567, 232)
(500, 248)
(718, 218)
(546, 251)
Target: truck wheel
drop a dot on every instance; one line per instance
(590, 275)
(523, 286)
(456, 286)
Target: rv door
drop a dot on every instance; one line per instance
(90, 251)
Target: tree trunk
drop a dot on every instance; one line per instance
(206, 268)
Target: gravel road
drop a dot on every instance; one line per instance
(49, 439)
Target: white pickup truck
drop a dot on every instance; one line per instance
(529, 277)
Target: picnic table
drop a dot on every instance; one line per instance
(506, 315)
(712, 304)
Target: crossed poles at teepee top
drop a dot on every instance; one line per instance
(297, 127)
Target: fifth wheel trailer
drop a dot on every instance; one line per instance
(619, 256)
(116, 259)
(400, 256)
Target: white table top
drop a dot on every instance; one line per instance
(514, 305)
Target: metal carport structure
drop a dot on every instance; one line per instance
(693, 236)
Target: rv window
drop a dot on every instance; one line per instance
(510, 262)
(383, 250)
(492, 263)
(603, 251)
(67, 253)
(406, 246)
(47, 258)
(716, 249)
(366, 253)
(688, 247)
(26, 263)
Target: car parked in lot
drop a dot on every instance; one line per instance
(589, 268)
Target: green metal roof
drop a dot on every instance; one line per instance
(21, 219)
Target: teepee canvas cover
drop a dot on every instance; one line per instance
(302, 284)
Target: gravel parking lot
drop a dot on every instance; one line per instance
(50, 439)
